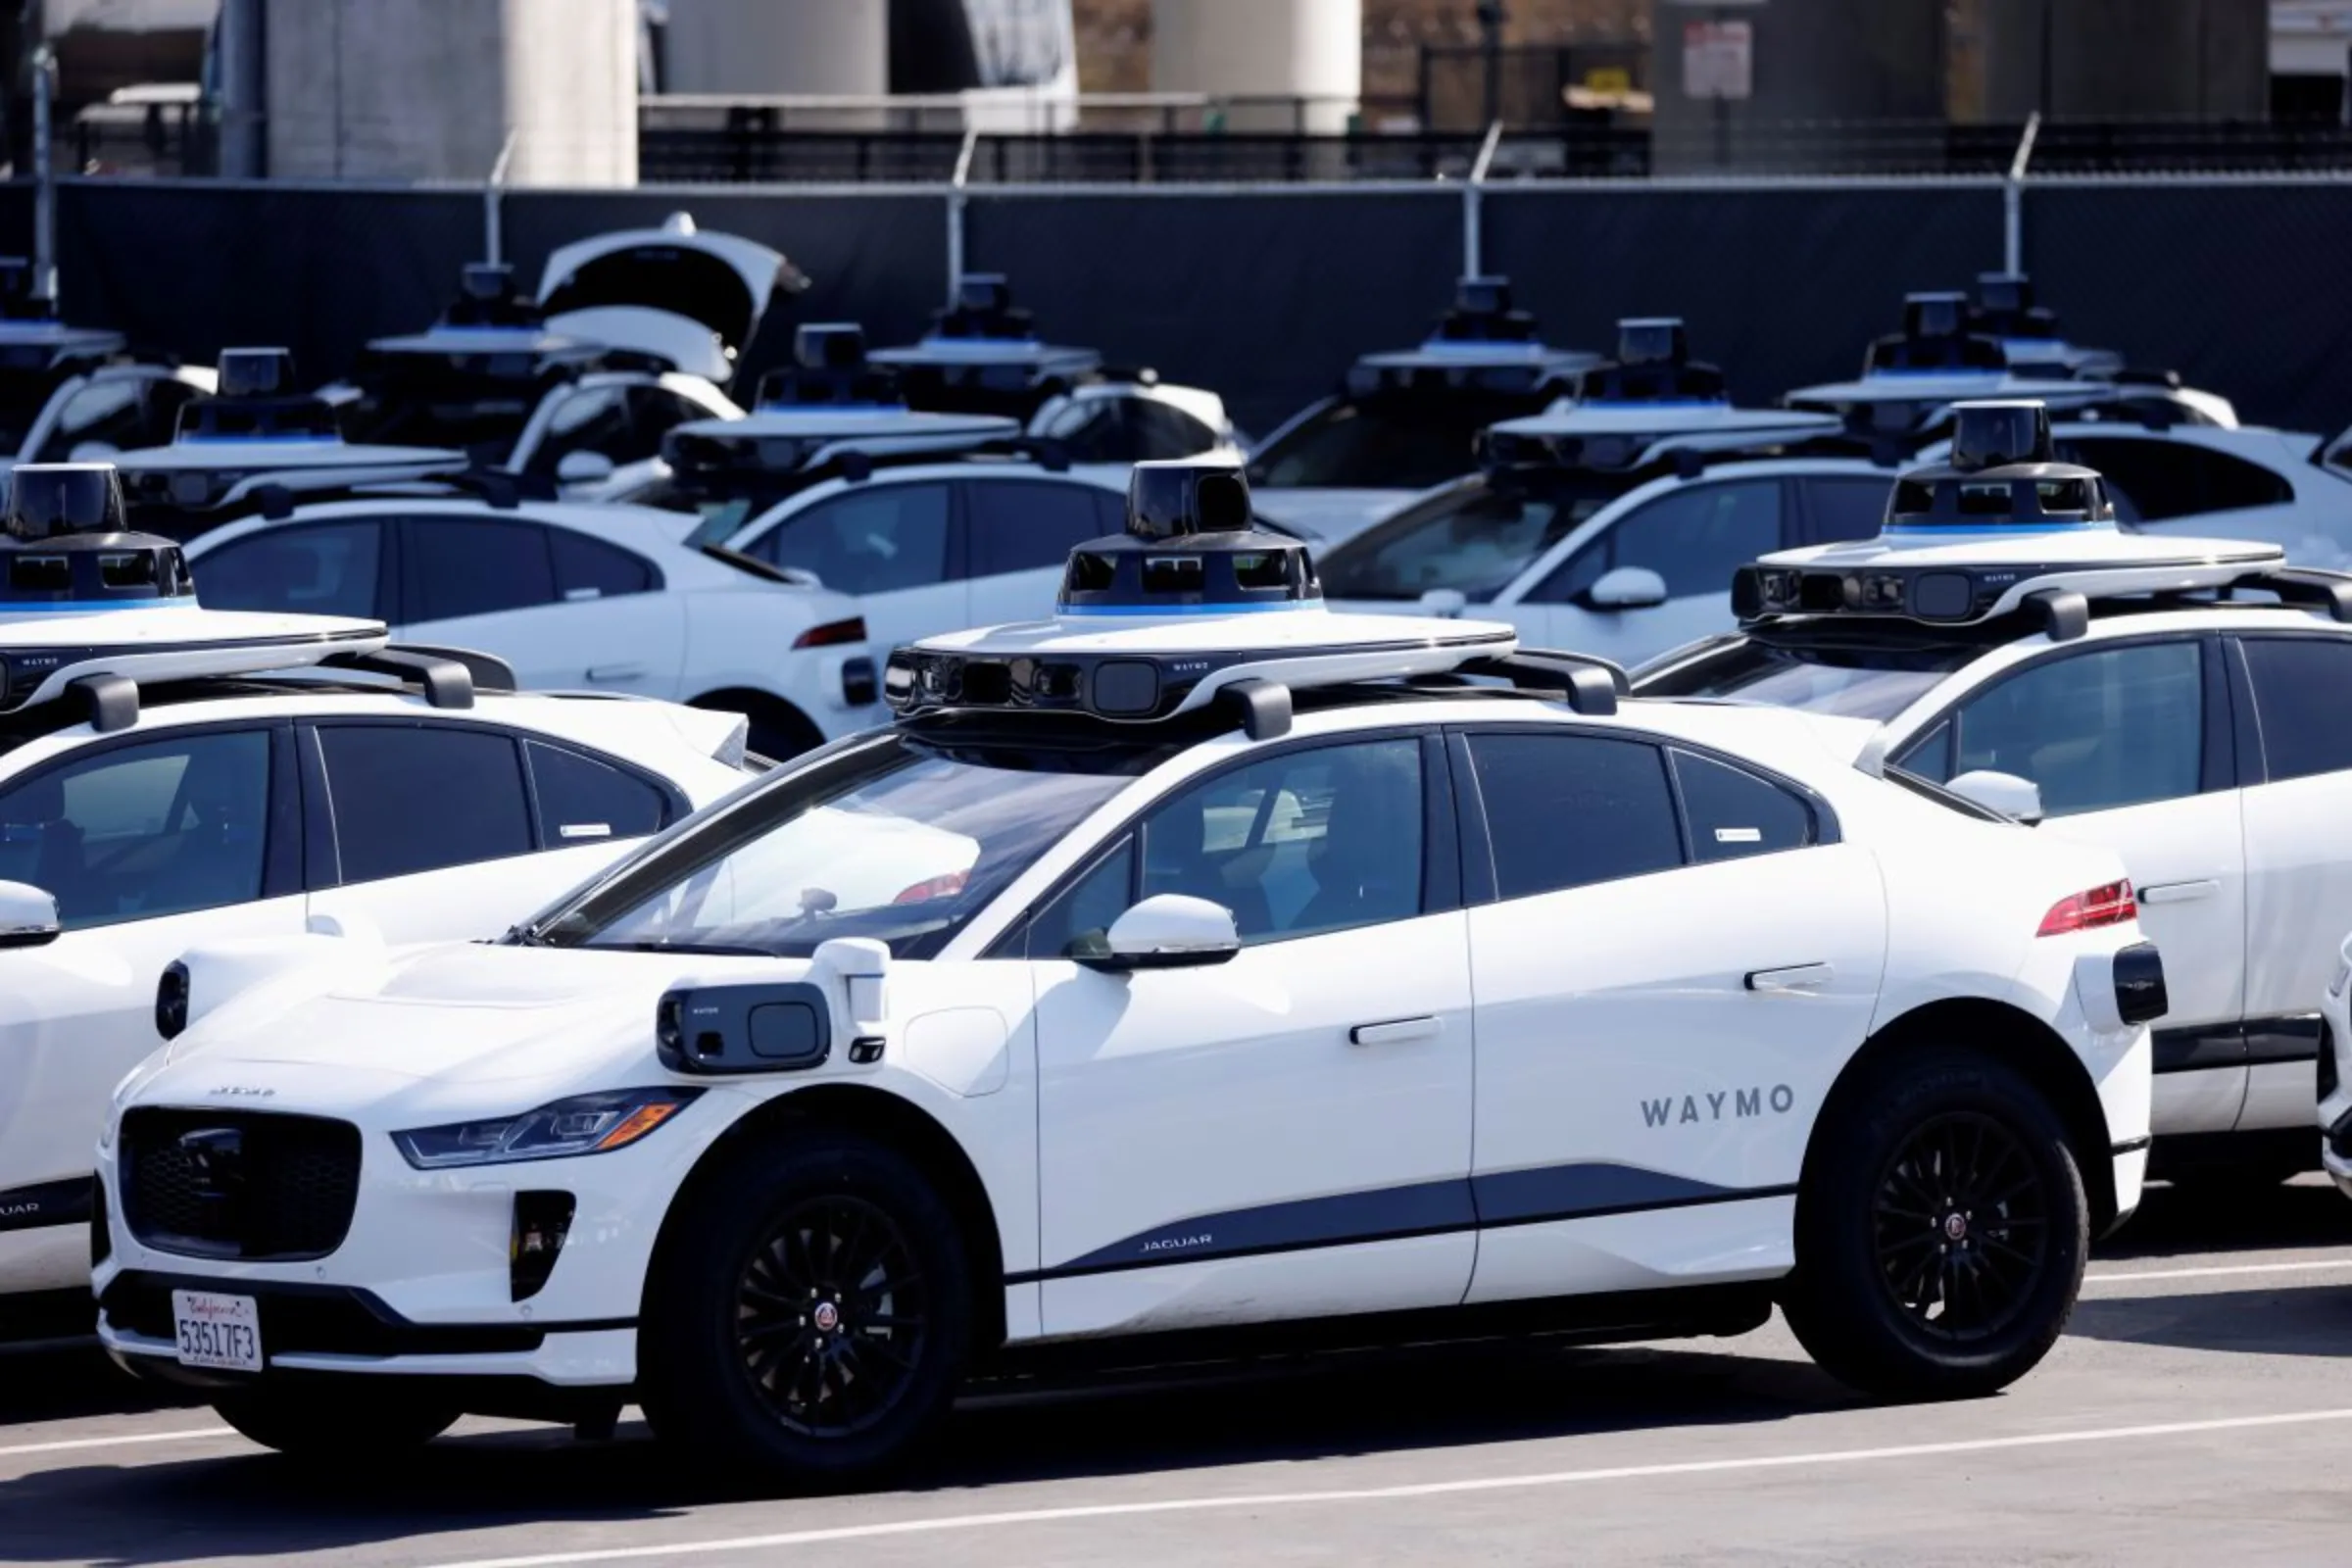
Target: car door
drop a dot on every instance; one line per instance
(885, 541)
(2130, 741)
(570, 612)
(1018, 535)
(149, 845)
(427, 830)
(2298, 834)
(1655, 1033)
(1693, 537)
(1286, 1134)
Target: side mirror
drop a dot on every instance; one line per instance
(1169, 931)
(28, 916)
(583, 467)
(1444, 604)
(93, 452)
(1627, 588)
(2005, 793)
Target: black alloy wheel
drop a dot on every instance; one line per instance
(830, 1316)
(1960, 1226)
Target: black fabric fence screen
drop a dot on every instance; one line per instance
(1267, 295)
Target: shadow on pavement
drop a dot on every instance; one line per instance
(2310, 1319)
(2173, 1220)
(251, 1505)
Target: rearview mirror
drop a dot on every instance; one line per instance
(1444, 604)
(1628, 588)
(1169, 931)
(28, 916)
(2005, 793)
(583, 467)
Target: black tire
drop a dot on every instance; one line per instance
(332, 1426)
(1971, 1154)
(810, 1322)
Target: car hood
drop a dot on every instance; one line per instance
(428, 1025)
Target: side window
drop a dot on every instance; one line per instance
(2303, 694)
(1162, 432)
(2176, 478)
(581, 799)
(137, 832)
(1734, 814)
(1017, 526)
(1694, 538)
(1092, 431)
(320, 569)
(654, 412)
(868, 540)
(2095, 731)
(1569, 810)
(1844, 508)
(1298, 843)
(1077, 922)
(466, 566)
(590, 419)
(590, 568)
(410, 797)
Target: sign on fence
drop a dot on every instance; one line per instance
(1718, 60)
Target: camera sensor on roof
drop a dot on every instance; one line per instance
(256, 372)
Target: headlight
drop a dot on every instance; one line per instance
(585, 1124)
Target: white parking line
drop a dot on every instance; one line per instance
(67, 1445)
(1427, 1489)
(2127, 1276)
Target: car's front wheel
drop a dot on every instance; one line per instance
(335, 1425)
(811, 1315)
(1941, 1230)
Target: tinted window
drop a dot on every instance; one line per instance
(1161, 431)
(137, 832)
(411, 797)
(113, 411)
(324, 568)
(2119, 726)
(1845, 509)
(1383, 443)
(1298, 844)
(1020, 527)
(1127, 430)
(581, 799)
(591, 420)
(1863, 679)
(475, 566)
(655, 410)
(1079, 921)
(1567, 811)
(1732, 812)
(2174, 478)
(1694, 538)
(590, 568)
(1472, 539)
(2303, 693)
(868, 540)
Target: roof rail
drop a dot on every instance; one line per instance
(1589, 685)
(444, 681)
(2306, 586)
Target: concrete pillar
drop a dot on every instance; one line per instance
(1811, 61)
(761, 46)
(1277, 48)
(429, 89)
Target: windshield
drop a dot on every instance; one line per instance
(891, 837)
(1841, 678)
(1474, 539)
(1400, 441)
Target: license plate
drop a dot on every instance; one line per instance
(222, 1332)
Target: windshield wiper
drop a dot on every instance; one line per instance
(523, 935)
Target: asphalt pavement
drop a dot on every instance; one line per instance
(2198, 1411)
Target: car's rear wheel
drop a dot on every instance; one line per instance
(336, 1425)
(812, 1320)
(1940, 1231)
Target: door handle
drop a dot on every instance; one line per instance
(2179, 891)
(1792, 977)
(1396, 1031)
(615, 672)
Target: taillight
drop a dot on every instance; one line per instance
(833, 633)
(2110, 904)
(937, 887)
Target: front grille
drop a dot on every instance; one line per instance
(2327, 1083)
(238, 1184)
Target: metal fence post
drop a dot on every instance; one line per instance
(955, 184)
(44, 177)
(494, 188)
(1473, 196)
(2013, 198)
